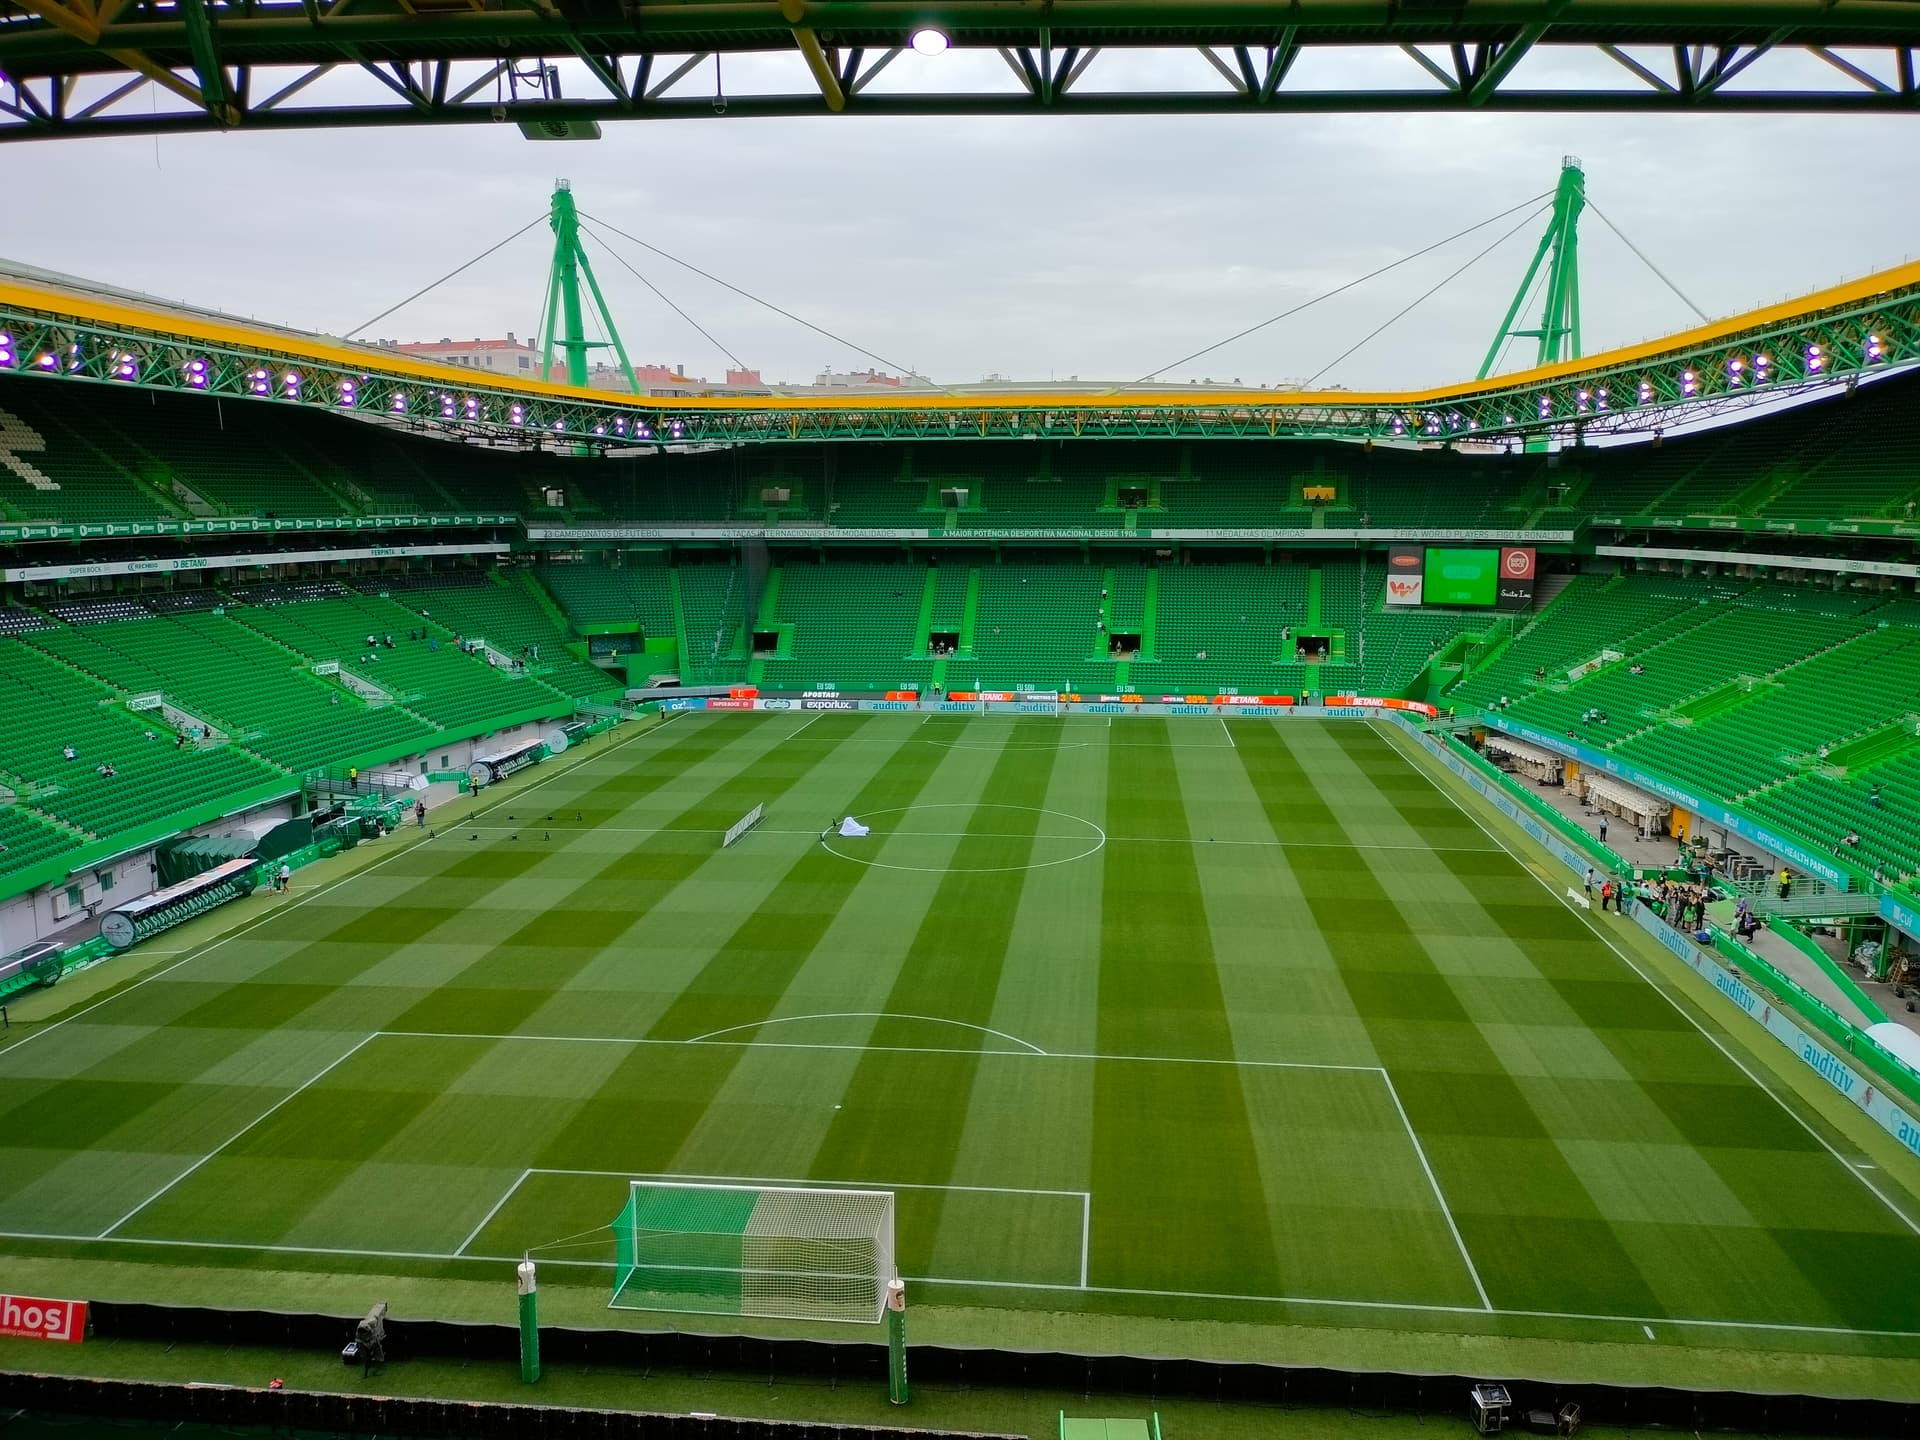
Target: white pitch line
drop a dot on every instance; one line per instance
(328, 888)
(870, 1015)
(804, 1181)
(264, 1114)
(1707, 1034)
(1223, 730)
(1411, 1306)
(796, 733)
(987, 835)
(487, 1219)
(1419, 1150)
(884, 1050)
(1086, 1226)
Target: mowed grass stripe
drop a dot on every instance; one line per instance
(1724, 1201)
(629, 1123)
(496, 993)
(140, 1098)
(508, 983)
(951, 971)
(1537, 1236)
(1168, 1140)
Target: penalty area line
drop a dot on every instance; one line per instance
(498, 1206)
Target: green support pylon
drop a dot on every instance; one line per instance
(563, 298)
(897, 1341)
(1559, 332)
(529, 1322)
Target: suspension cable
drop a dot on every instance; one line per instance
(364, 324)
(664, 299)
(905, 370)
(1645, 261)
(1337, 290)
(1525, 220)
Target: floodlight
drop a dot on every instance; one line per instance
(48, 361)
(6, 350)
(517, 414)
(1689, 383)
(1815, 360)
(1646, 391)
(929, 41)
(1874, 348)
(399, 405)
(559, 425)
(257, 381)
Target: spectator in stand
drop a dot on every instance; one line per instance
(69, 752)
(1786, 882)
(1873, 795)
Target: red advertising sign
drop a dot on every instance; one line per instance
(717, 702)
(29, 1319)
(742, 692)
(1516, 564)
(903, 694)
(1375, 702)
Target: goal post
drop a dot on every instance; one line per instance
(775, 1252)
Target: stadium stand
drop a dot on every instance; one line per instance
(47, 707)
(216, 669)
(853, 625)
(442, 685)
(506, 613)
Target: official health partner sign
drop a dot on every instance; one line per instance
(26, 1318)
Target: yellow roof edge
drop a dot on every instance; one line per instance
(79, 305)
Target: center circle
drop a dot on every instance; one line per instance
(1093, 837)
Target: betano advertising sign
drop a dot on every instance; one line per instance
(26, 1318)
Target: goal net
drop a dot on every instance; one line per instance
(784, 1252)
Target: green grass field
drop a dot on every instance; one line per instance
(1153, 1028)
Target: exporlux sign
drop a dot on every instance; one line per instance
(27, 1318)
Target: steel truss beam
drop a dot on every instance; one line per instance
(80, 67)
(1641, 390)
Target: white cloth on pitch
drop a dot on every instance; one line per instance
(853, 829)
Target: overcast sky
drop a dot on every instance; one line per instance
(1034, 248)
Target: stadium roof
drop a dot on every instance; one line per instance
(58, 327)
(78, 67)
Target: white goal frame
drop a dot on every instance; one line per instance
(776, 1252)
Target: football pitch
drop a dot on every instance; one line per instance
(1152, 1026)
